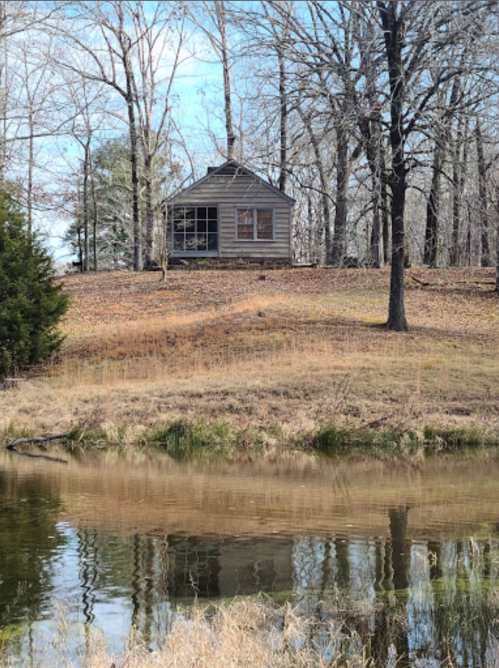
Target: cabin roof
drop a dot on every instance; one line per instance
(232, 168)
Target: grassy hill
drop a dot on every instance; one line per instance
(276, 351)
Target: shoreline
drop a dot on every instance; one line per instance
(184, 439)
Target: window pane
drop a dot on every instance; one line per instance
(190, 242)
(245, 224)
(201, 242)
(264, 224)
(212, 242)
(178, 218)
(189, 225)
(245, 216)
(212, 226)
(189, 213)
(201, 226)
(201, 211)
(212, 213)
(178, 242)
(245, 231)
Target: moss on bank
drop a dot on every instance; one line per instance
(332, 440)
(183, 439)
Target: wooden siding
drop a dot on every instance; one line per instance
(230, 192)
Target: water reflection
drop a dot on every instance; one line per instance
(29, 539)
(432, 593)
(447, 606)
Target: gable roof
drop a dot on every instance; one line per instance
(232, 168)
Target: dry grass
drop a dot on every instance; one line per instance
(249, 634)
(295, 350)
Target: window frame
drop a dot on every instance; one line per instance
(254, 210)
(196, 253)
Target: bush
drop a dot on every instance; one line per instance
(31, 303)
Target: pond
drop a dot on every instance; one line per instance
(108, 541)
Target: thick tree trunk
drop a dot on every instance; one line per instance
(482, 193)
(394, 30)
(340, 216)
(400, 558)
(432, 210)
(396, 309)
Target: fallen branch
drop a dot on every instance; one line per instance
(424, 283)
(36, 439)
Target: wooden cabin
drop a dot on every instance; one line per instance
(230, 214)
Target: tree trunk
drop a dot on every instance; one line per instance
(375, 244)
(482, 193)
(137, 246)
(129, 97)
(80, 248)
(393, 31)
(326, 212)
(497, 245)
(396, 309)
(149, 203)
(3, 93)
(457, 175)
(86, 216)
(400, 557)
(370, 128)
(385, 216)
(432, 210)
(456, 208)
(283, 121)
(31, 164)
(340, 216)
(95, 222)
(229, 128)
(310, 227)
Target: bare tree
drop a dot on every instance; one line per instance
(109, 45)
(414, 34)
(159, 36)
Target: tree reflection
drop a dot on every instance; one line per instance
(29, 540)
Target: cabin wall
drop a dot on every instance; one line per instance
(230, 192)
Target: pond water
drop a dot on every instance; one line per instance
(107, 542)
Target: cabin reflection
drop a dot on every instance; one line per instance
(446, 610)
(438, 597)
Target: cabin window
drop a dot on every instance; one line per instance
(195, 229)
(254, 224)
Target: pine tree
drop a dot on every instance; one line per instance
(31, 302)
